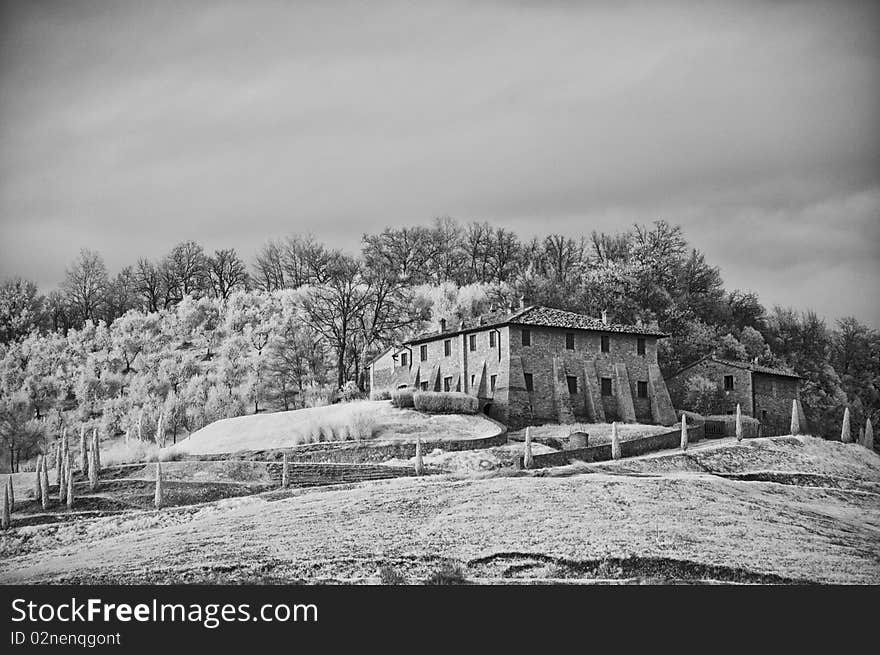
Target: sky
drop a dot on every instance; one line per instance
(129, 126)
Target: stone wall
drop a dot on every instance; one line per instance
(630, 448)
(316, 474)
(585, 361)
(742, 386)
(774, 395)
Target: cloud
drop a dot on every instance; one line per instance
(130, 126)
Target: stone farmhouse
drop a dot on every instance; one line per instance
(536, 364)
(762, 392)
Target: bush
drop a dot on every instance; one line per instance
(316, 397)
(380, 394)
(445, 402)
(449, 573)
(402, 397)
(362, 425)
(350, 392)
(389, 576)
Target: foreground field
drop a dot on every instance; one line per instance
(646, 519)
(330, 423)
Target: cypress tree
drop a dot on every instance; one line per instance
(845, 434)
(158, 497)
(58, 462)
(62, 483)
(97, 441)
(419, 465)
(528, 460)
(11, 493)
(5, 519)
(44, 484)
(39, 472)
(93, 469)
(684, 433)
(795, 419)
(83, 451)
(69, 485)
(285, 473)
(615, 442)
(739, 423)
(869, 435)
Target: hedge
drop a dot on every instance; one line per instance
(402, 397)
(446, 402)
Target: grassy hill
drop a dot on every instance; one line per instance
(661, 518)
(365, 419)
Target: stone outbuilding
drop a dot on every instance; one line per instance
(537, 364)
(762, 392)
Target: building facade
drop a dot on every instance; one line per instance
(764, 393)
(537, 365)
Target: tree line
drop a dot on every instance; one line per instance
(203, 335)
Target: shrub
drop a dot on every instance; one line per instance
(316, 397)
(449, 573)
(388, 575)
(350, 392)
(362, 424)
(380, 394)
(402, 397)
(445, 402)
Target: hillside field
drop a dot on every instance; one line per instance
(785, 509)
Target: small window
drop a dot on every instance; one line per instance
(472, 342)
(728, 383)
(527, 337)
(606, 386)
(473, 381)
(572, 383)
(492, 382)
(447, 348)
(447, 384)
(640, 346)
(529, 382)
(403, 359)
(606, 344)
(763, 416)
(423, 353)
(642, 389)
(569, 341)
(423, 386)
(492, 336)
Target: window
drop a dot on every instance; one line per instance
(492, 336)
(527, 337)
(423, 353)
(569, 341)
(403, 359)
(606, 387)
(447, 348)
(642, 389)
(763, 416)
(473, 381)
(423, 386)
(447, 384)
(529, 383)
(472, 342)
(492, 382)
(606, 344)
(640, 346)
(728, 383)
(572, 383)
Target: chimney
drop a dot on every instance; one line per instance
(443, 325)
(605, 317)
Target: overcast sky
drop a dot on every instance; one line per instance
(127, 126)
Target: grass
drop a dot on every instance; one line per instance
(340, 422)
(678, 521)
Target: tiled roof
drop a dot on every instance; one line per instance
(755, 368)
(539, 316)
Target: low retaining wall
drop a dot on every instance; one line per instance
(629, 448)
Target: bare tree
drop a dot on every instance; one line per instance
(185, 271)
(148, 284)
(85, 284)
(226, 273)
